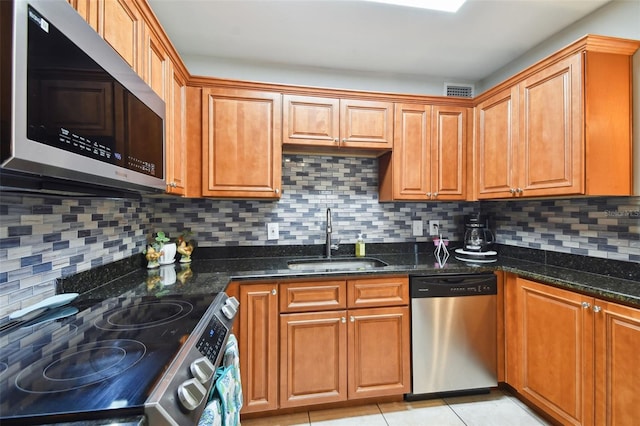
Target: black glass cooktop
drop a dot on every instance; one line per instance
(99, 362)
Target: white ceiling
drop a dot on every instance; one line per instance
(367, 37)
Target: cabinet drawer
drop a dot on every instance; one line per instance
(387, 291)
(313, 296)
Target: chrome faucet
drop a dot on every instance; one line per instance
(327, 250)
(328, 244)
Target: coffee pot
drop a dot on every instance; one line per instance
(477, 236)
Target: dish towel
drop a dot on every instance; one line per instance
(225, 398)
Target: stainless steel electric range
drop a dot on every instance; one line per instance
(131, 356)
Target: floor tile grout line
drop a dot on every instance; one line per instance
(382, 413)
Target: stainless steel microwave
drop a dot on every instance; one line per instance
(78, 115)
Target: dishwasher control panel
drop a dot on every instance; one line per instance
(444, 285)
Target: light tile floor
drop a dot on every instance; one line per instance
(498, 408)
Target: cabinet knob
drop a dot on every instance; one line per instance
(336, 140)
(435, 195)
(586, 305)
(512, 190)
(352, 318)
(274, 292)
(344, 140)
(428, 194)
(597, 309)
(277, 191)
(343, 320)
(519, 190)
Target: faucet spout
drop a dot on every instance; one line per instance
(328, 231)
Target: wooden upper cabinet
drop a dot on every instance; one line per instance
(428, 159)
(311, 121)
(448, 147)
(557, 128)
(319, 123)
(551, 153)
(497, 137)
(366, 124)
(156, 65)
(120, 23)
(241, 136)
(175, 135)
(89, 10)
(122, 26)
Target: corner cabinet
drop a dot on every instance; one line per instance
(316, 123)
(241, 143)
(428, 161)
(557, 128)
(567, 353)
(338, 340)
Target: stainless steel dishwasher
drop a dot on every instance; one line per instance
(453, 333)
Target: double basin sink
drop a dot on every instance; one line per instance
(336, 264)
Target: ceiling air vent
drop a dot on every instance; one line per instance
(458, 90)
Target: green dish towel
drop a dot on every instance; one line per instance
(225, 398)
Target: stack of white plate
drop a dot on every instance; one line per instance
(476, 256)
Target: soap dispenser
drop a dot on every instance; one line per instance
(360, 246)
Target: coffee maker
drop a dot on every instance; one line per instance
(478, 241)
(477, 235)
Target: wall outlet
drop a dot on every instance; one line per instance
(273, 231)
(416, 228)
(434, 228)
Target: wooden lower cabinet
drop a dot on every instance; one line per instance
(313, 358)
(617, 366)
(573, 356)
(258, 346)
(378, 352)
(321, 347)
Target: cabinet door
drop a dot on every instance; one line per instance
(448, 150)
(617, 373)
(258, 346)
(379, 348)
(496, 144)
(555, 337)
(366, 124)
(411, 155)
(242, 152)
(88, 9)
(313, 358)
(121, 25)
(156, 65)
(551, 131)
(175, 136)
(310, 121)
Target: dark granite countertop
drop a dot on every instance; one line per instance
(208, 276)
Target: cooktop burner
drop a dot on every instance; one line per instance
(152, 313)
(105, 358)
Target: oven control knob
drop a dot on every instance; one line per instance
(191, 394)
(232, 301)
(202, 369)
(229, 311)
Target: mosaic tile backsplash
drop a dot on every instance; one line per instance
(43, 238)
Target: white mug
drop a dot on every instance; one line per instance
(168, 253)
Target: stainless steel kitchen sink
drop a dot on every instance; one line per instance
(336, 264)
